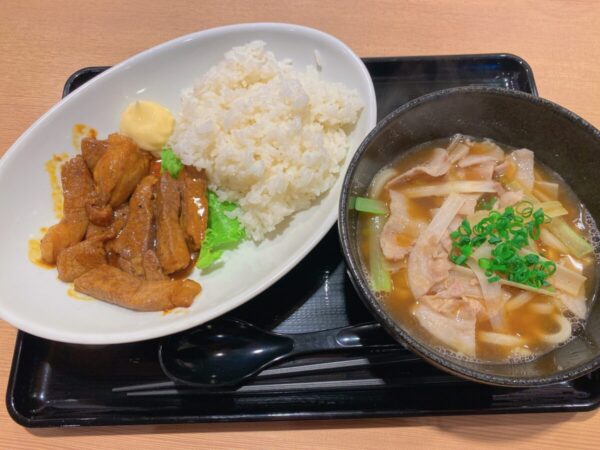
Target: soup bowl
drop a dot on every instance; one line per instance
(560, 139)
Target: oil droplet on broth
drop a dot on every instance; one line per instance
(51, 167)
(35, 254)
(71, 292)
(79, 132)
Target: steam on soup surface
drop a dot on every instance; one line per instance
(478, 250)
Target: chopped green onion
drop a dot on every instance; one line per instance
(486, 202)
(485, 263)
(370, 205)
(478, 240)
(495, 240)
(381, 280)
(465, 228)
(508, 232)
(532, 258)
(461, 259)
(524, 208)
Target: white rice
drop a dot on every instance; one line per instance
(271, 138)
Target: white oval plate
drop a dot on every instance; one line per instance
(34, 300)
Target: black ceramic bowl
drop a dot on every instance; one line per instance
(560, 139)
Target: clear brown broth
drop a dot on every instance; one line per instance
(525, 321)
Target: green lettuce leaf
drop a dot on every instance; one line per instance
(170, 162)
(222, 233)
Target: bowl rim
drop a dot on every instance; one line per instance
(361, 284)
(301, 32)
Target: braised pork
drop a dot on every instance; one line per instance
(118, 171)
(77, 186)
(113, 285)
(194, 206)
(79, 259)
(171, 247)
(92, 150)
(137, 235)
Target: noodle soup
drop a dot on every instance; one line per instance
(478, 249)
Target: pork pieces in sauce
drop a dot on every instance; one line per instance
(125, 230)
(171, 247)
(112, 285)
(138, 234)
(77, 185)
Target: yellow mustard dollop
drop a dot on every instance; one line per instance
(149, 124)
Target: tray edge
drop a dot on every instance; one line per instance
(29, 422)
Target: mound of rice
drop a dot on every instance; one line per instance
(271, 138)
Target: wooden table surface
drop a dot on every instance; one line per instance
(43, 42)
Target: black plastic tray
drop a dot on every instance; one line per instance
(55, 384)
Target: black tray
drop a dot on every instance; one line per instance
(55, 384)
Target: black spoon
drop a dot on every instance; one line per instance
(226, 352)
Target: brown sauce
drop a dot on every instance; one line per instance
(79, 132)
(35, 254)
(52, 167)
(155, 168)
(71, 292)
